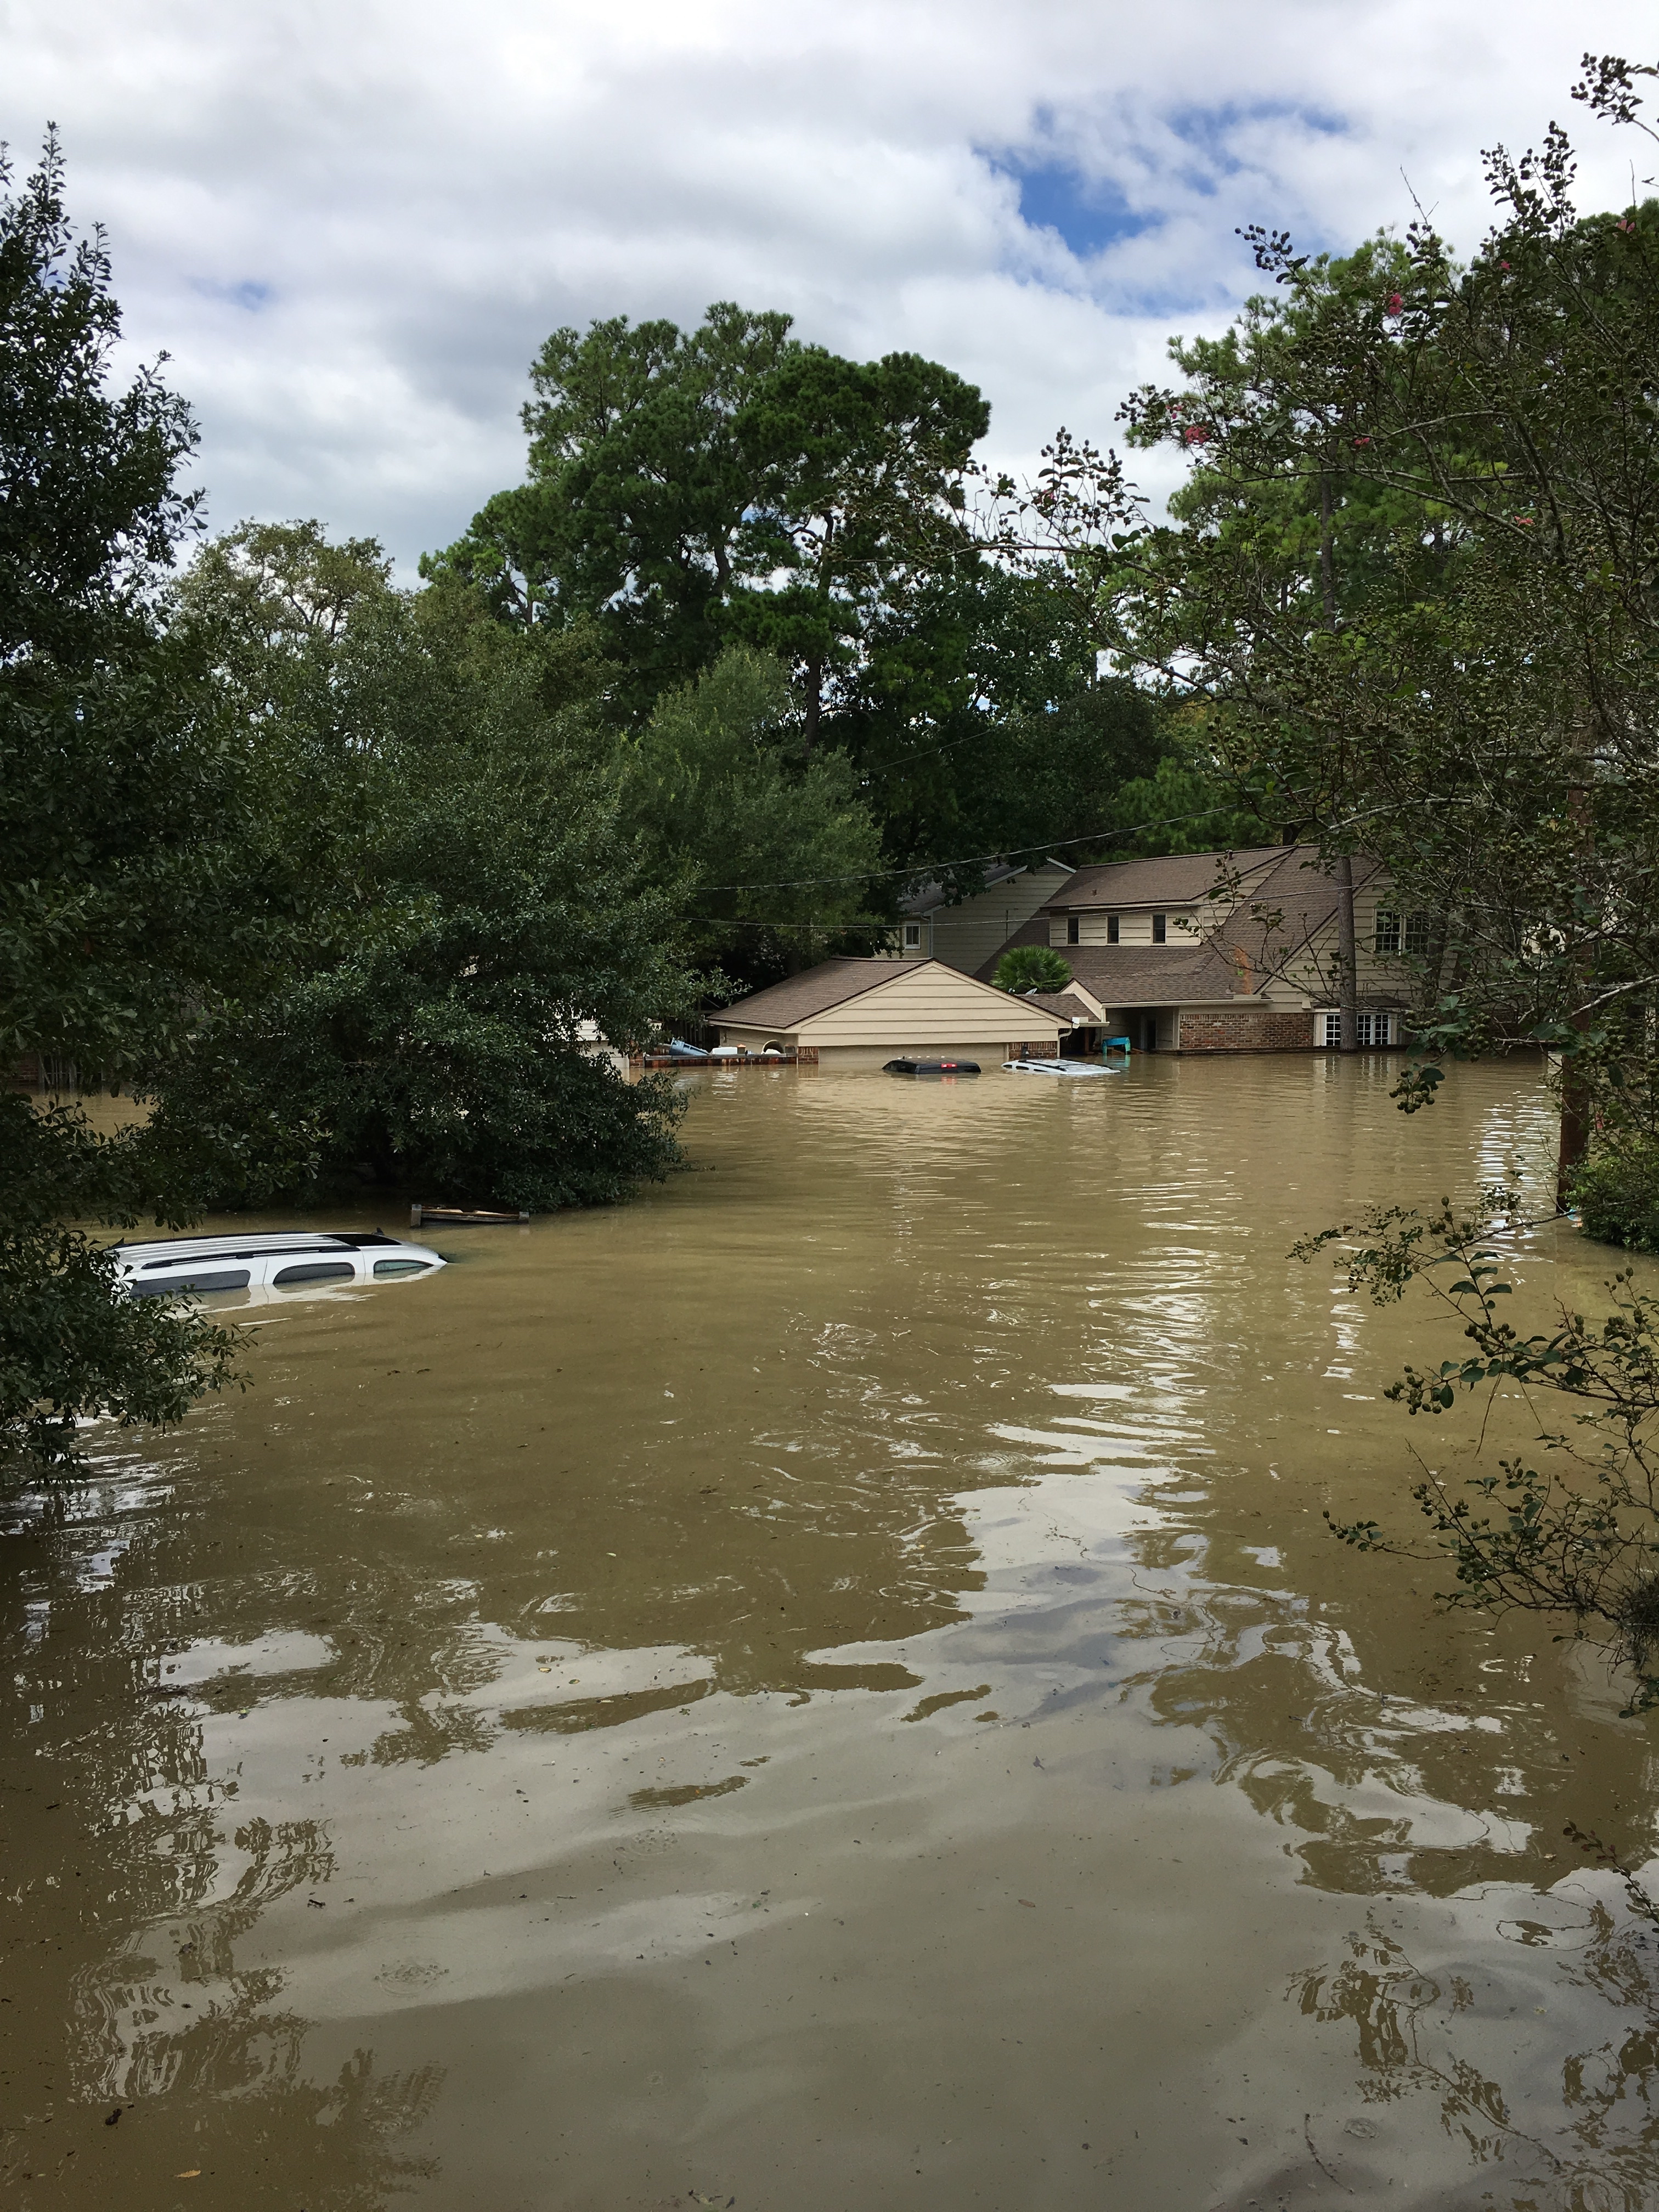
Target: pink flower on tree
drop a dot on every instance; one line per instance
(1362, 442)
(1195, 434)
(1396, 302)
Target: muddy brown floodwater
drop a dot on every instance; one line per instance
(827, 1689)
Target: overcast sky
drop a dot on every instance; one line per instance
(351, 223)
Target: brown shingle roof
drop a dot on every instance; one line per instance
(1273, 922)
(930, 897)
(1171, 879)
(1132, 975)
(1063, 1003)
(1151, 975)
(814, 991)
(1291, 903)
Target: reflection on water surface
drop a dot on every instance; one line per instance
(829, 1687)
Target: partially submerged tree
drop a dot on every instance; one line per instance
(124, 907)
(1576, 1535)
(1412, 577)
(479, 926)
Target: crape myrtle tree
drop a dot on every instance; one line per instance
(482, 921)
(126, 907)
(1412, 578)
(1565, 1526)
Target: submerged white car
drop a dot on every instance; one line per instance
(1058, 1067)
(164, 1266)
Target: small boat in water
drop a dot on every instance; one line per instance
(164, 1266)
(931, 1068)
(1058, 1067)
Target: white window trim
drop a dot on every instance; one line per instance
(1328, 1037)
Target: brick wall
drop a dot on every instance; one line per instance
(1258, 1030)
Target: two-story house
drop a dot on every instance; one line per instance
(1229, 951)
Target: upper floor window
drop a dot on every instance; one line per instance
(1419, 933)
(1111, 929)
(1071, 929)
(1160, 929)
(913, 937)
(1387, 931)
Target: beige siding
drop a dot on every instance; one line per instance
(1309, 977)
(932, 1006)
(1183, 924)
(966, 936)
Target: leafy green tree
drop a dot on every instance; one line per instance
(689, 489)
(1414, 584)
(772, 855)
(126, 908)
(480, 930)
(858, 484)
(636, 494)
(1032, 968)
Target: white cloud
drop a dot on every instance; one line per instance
(352, 224)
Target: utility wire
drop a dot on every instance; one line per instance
(974, 859)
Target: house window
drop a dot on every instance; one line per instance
(913, 937)
(1111, 929)
(1419, 933)
(1160, 929)
(1370, 1029)
(1387, 931)
(1071, 929)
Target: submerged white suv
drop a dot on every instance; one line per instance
(164, 1266)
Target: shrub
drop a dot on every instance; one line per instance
(1032, 968)
(1617, 1193)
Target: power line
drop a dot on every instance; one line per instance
(974, 859)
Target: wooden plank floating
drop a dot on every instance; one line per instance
(459, 1217)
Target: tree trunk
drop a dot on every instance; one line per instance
(1575, 1123)
(1575, 1091)
(1347, 954)
(814, 704)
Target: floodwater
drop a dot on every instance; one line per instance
(829, 1689)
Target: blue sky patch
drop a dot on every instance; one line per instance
(1089, 213)
(250, 295)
